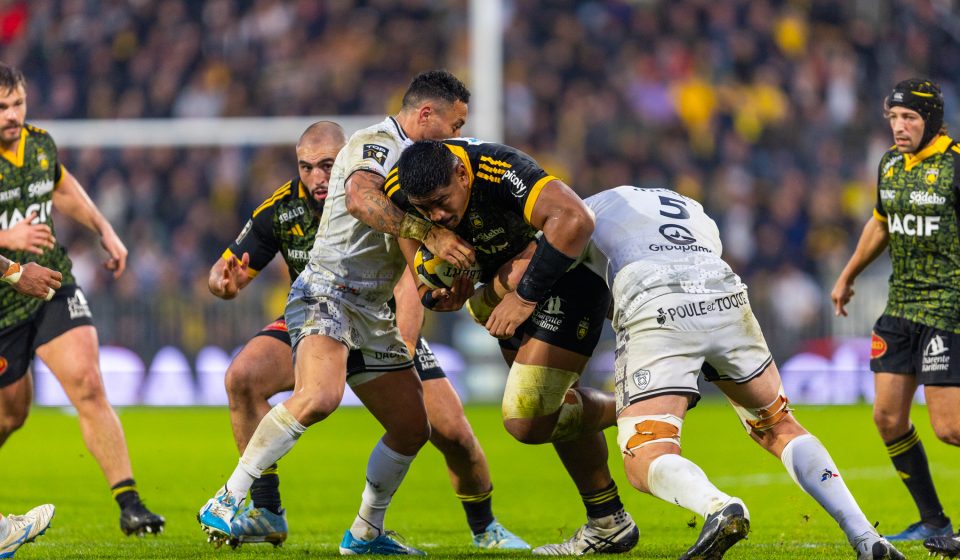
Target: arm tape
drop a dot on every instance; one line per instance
(413, 227)
(546, 267)
(428, 300)
(12, 274)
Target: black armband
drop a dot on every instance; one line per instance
(546, 267)
(428, 300)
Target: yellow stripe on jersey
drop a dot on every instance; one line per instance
(939, 146)
(63, 174)
(462, 154)
(879, 216)
(228, 255)
(534, 195)
(277, 195)
(487, 177)
(494, 162)
(392, 183)
(16, 158)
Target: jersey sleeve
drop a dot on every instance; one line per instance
(521, 179)
(878, 211)
(257, 238)
(375, 152)
(392, 189)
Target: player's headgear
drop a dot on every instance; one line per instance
(924, 97)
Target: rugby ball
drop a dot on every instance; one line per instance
(437, 273)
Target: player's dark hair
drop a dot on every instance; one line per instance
(424, 167)
(10, 78)
(435, 84)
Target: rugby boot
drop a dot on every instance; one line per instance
(257, 525)
(216, 516)
(721, 530)
(137, 520)
(871, 546)
(385, 544)
(18, 530)
(612, 534)
(498, 536)
(944, 546)
(920, 531)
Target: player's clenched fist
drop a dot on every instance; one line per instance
(448, 246)
(34, 280)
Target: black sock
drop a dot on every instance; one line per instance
(602, 502)
(479, 509)
(910, 460)
(265, 490)
(125, 493)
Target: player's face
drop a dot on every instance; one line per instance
(907, 127)
(315, 162)
(13, 113)
(447, 205)
(444, 120)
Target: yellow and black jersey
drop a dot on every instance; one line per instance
(283, 223)
(918, 198)
(505, 184)
(28, 176)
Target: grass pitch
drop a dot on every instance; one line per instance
(181, 457)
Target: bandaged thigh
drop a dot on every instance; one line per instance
(537, 391)
(764, 418)
(634, 432)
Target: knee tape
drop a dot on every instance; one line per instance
(570, 419)
(637, 431)
(762, 419)
(534, 391)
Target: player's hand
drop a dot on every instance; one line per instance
(841, 295)
(453, 298)
(448, 246)
(235, 274)
(30, 237)
(117, 262)
(38, 281)
(508, 315)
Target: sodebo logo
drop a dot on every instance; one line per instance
(917, 226)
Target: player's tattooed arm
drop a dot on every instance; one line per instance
(367, 203)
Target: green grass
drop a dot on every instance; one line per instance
(181, 456)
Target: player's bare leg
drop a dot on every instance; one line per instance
(15, 402)
(763, 409)
(891, 414)
(575, 429)
(74, 358)
(452, 435)
(263, 368)
(396, 401)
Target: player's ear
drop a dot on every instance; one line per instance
(425, 111)
(460, 172)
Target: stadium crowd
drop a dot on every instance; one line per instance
(764, 110)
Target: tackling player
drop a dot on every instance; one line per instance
(340, 323)
(59, 331)
(917, 339)
(287, 223)
(498, 198)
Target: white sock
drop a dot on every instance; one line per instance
(274, 437)
(385, 471)
(811, 467)
(674, 479)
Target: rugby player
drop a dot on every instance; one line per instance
(917, 339)
(498, 198)
(31, 279)
(340, 322)
(59, 331)
(286, 223)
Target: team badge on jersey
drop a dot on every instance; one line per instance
(375, 152)
(931, 175)
(42, 160)
(878, 347)
(476, 221)
(583, 328)
(641, 378)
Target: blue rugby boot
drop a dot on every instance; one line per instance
(18, 530)
(217, 515)
(384, 544)
(498, 536)
(920, 531)
(257, 525)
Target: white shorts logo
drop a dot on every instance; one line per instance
(641, 378)
(78, 306)
(935, 356)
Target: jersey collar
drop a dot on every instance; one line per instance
(16, 158)
(461, 154)
(938, 146)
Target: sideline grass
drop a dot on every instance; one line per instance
(181, 456)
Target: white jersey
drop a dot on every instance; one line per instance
(362, 264)
(650, 242)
